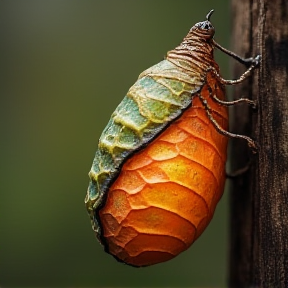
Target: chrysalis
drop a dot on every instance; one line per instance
(159, 170)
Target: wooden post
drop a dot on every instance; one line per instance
(259, 198)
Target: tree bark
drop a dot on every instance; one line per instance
(259, 198)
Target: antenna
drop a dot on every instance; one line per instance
(209, 15)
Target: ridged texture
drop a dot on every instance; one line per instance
(150, 104)
(166, 194)
(159, 170)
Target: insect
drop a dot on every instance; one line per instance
(159, 170)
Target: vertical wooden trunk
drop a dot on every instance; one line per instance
(259, 198)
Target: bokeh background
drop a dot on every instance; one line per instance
(65, 65)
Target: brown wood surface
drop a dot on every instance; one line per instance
(259, 198)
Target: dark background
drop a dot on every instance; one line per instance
(65, 65)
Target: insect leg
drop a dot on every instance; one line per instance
(230, 103)
(252, 63)
(238, 172)
(251, 142)
(245, 61)
(240, 79)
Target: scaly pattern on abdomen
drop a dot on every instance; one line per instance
(166, 194)
(156, 99)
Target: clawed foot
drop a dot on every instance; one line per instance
(252, 61)
(256, 61)
(253, 146)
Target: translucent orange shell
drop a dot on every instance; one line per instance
(166, 194)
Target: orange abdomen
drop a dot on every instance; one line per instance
(166, 194)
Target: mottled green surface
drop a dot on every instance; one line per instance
(155, 100)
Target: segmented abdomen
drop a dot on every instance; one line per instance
(166, 194)
(158, 97)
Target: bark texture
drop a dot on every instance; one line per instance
(259, 198)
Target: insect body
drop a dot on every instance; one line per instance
(159, 170)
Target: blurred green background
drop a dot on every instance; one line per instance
(65, 65)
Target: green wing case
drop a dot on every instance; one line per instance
(160, 95)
